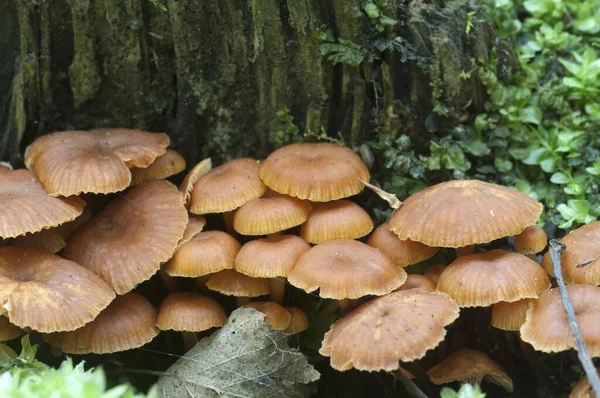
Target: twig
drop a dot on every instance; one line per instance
(556, 251)
(390, 198)
(413, 390)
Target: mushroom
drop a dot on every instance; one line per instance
(319, 172)
(339, 219)
(401, 252)
(275, 315)
(510, 316)
(47, 293)
(128, 322)
(97, 161)
(27, 207)
(583, 389)
(273, 257)
(531, 241)
(232, 283)
(126, 242)
(417, 281)
(166, 165)
(470, 366)
(298, 323)
(191, 178)
(434, 271)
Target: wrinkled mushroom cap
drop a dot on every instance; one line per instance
(510, 316)
(231, 283)
(401, 252)
(166, 165)
(47, 293)
(205, 253)
(335, 266)
(531, 241)
(27, 207)
(482, 279)
(547, 327)
(470, 366)
(126, 243)
(418, 281)
(128, 322)
(227, 187)
(190, 312)
(400, 326)
(98, 161)
(583, 246)
(464, 212)
(269, 214)
(270, 257)
(275, 315)
(319, 172)
(299, 322)
(339, 219)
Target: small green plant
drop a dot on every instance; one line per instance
(379, 13)
(340, 50)
(286, 132)
(465, 391)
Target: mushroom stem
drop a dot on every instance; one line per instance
(347, 305)
(411, 388)
(277, 289)
(201, 283)
(189, 340)
(228, 219)
(556, 251)
(465, 250)
(242, 300)
(390, 198)
(169, 282)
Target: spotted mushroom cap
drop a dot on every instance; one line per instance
(338, 219)
(335, 266)
(400, 326)
(482, 279)
(27, 207)
(401, 252)
(97, 161)
(464, 212)
(319, 172)
(190, 312)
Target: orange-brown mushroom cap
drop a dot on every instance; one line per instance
(203, 167)
(583, 250)
(547, 327)
(531, 241)
(275, 315)
(166, 165)
(98, 161)
(401, 252)
(8, 331)
(418, 281)
(231, 283)
(27, 207)
(346, 268)
(227, 187)
(510, 316)
(464, 212)
(434, 271)
(482, 279)
(128, 322)
(400, 326)
(194, 226)
(319, 172)
(190, 312)
(126, 243)
(47, 293)
(339, 219)
(299, 322)
(583, 389)
(270, 257)
(269, 214)
(205, 253)
(470, 366)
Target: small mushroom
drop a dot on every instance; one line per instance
(531, 241)
(164, 166)
(510, 316)
(299, 322)
(338, 219)
(401, 252)
(417, 281)
(275, 315)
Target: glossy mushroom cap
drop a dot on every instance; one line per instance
(128, 322)
(275, 315)
(470, 366)
(205, 253)
(47, 293)
(339, 219)
(531, 241)
(335, 266)
(27, 207)
(269, 214)
(464, 212)
(401, 326)
(227, 187)
(231, 283)
(270, 257)
(190, 312)
(401, 252)
(547, 327)
(510, 316)
(583, 250)
(318, 172)
(482, 279)
(163, 166)
(299, 322)
(126, 243)
(417, 281)
(97, 161)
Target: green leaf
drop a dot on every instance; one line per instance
(560, 178)
(531, 114)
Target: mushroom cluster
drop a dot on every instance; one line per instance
(69, 271)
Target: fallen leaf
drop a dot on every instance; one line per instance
(246, 358)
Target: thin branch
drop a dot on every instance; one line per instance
(411, 388)
(556, 251)
(390, 198)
